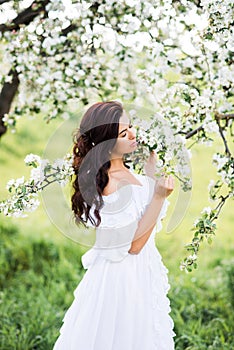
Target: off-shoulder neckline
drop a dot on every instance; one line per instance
(134, 174)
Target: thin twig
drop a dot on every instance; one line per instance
(224, 116)
(220, 205)
(193, 132)
(227, 151)
(25, 17)
(41, 188)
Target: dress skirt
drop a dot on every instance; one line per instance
(120, 305)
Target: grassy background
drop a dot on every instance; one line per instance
(40, 266)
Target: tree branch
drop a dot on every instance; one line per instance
(68, 29)
(190, 133)
(220, 205)
(227, 151)
(218, 116)
(224, 116)
(193, 132)
(26, 16)
(6, 97)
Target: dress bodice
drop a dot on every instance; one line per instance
(120, 215)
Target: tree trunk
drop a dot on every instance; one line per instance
(7, 95)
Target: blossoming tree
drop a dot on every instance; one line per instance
(174, 56)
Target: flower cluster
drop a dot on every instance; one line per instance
(225, 169)
(173, 157)
(23, 199)
(24, 193)
(204, 228)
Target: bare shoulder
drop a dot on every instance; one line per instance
(119, 179)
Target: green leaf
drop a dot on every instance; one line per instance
(209, 240)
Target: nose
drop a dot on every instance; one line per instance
(132, 133)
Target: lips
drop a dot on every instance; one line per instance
(134, 144)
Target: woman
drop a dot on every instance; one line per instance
(121, 302)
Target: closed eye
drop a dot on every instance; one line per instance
(130, 126)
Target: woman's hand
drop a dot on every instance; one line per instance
(151, 164)
(164, 186)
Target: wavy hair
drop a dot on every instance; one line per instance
(93, 143)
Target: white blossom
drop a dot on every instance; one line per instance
(30, 158)
(206, 210)
(211, 184)
(211, 127)
(219, 160)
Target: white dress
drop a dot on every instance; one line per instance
(121, 302)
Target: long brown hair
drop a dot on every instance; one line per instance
(93, 143)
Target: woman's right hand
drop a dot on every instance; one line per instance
(164, 186)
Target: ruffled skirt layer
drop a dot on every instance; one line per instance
(120, 306)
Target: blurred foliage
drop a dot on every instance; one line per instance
(37, 277)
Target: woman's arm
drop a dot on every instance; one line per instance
(163, 189)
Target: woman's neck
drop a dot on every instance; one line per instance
(117, 164)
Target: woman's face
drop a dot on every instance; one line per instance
(126, 141)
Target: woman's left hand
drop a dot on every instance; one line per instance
(150, 165)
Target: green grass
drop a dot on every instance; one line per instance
(40, 266)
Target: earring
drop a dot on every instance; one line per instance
(109, 152)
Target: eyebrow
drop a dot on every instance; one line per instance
(125, 129)
(122, 131)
